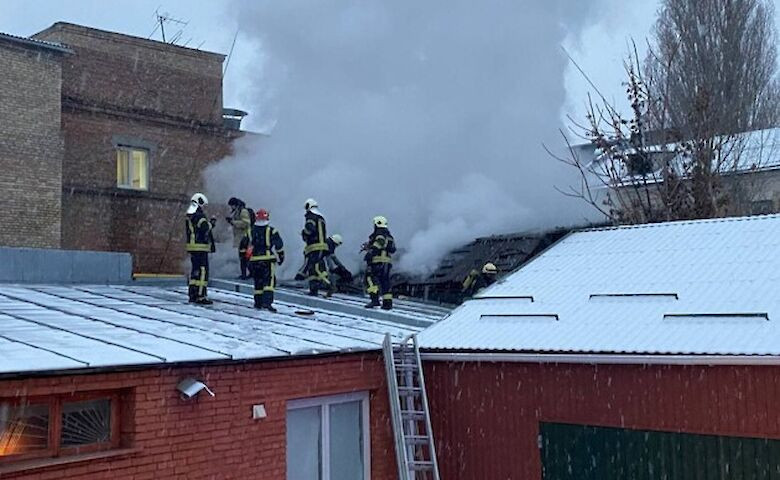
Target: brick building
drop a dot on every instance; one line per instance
(139, 122)
(31, 145)
(91, 381)
(141, 119)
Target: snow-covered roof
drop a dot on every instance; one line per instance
(707, 287)
(52, 328)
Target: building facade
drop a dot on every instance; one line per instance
(31, 142)
(141, 119)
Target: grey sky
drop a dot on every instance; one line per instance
(212, 24)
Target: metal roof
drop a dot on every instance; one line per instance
(52, 328)
(704, 287)
(31, 42)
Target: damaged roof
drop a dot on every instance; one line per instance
(706, 287)
(53, 328)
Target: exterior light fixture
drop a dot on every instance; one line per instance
(190, 388)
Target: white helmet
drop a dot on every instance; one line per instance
(310, 203)
(199, 199)
(380, 221)
(337, 239)
(490, 269)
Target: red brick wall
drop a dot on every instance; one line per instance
(31, 146)
(485, 415)
(149, 224)
(216, 438)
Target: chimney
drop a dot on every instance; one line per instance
(231, 118)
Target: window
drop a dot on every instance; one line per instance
(58, 426)
(132, 168)
(328, 438)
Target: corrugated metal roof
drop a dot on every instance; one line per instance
(76, 327)
(695, 287)
(32, 42)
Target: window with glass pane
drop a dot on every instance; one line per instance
(23, 428)
(326, 438)
(132, 168)
(86, 423)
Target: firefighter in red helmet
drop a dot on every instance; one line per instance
(265, 251)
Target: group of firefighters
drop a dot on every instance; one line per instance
(260, 249)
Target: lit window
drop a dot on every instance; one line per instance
(132, 168)
(58, 426)
(328, 438)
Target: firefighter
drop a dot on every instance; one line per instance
(335, 267)
(200, 242)
(265, 251)
(241, 221)
(476, 280)
(379, 248)
(314, 235)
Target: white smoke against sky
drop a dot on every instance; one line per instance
(430, 113)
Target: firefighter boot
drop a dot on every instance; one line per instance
(258, 302)
(374, 301)
(387, 304)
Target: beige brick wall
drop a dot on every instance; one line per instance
(31, 146)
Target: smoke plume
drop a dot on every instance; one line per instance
(430, 113)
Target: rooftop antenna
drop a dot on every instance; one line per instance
(164, 18)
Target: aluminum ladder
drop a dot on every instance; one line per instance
(414, 449)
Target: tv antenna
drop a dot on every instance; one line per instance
(164, 19)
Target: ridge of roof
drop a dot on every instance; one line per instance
(34, 42)
(681, 222)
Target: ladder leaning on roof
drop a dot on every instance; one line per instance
(414, 449)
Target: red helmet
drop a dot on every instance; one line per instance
(262, 214)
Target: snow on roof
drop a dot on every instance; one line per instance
(706, 287)
(77, 327)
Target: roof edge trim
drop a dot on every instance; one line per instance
(608, 359)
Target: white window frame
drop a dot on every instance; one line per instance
(130, 150)
(324, 403)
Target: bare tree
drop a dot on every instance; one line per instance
(707, 80)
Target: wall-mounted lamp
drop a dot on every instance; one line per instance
(190, 388)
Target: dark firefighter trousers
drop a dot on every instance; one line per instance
(316, 271)
(378, 281)
(199, 275)
(264, 274)
(242, 260)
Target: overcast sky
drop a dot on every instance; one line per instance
(212, 26)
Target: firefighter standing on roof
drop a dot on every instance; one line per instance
(200, 242)
(241, 221)
(379, 248)
(265, 250)
(335, 267)
(314, 235)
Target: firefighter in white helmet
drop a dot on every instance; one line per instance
(315, 236)
(200, 242)
(477, 280)
(335, 267)
(379, 249)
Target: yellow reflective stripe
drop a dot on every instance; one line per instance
(258, 292)
(387, 296)
(203, 219)
(372, 287)
(260, 258)
(320, 233)
(273, 277)
(202, 283)
(315, 247)
(198, 247)
(382, 258)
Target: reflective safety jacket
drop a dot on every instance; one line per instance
(265, 241)
(314, 233)
(198, 232)
(242, 225)
(380, 246)
(476, 281)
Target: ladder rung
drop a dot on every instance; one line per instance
(413, 414)
(410, 390)
(416, 439)
(406, 366)
(421, 465)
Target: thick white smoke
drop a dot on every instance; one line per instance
(430, 113)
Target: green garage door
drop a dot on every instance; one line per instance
(585, 452)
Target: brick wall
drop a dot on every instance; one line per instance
(97, 215)
(216, 438)
(31, 146)
(139, 74)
